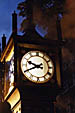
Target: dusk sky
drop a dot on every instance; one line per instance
(7, 7)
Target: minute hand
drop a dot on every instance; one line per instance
(37, 66)
(30, 69)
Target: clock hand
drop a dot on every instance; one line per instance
(37, 65)
(41, 67)
(30, 69)
(40, 64)
(31, 63)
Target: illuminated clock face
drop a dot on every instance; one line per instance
(37, 66)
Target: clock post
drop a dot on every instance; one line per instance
(32, 72)
(38, 75)
(38, 71)
(59, 35)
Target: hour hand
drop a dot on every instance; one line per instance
(31, 63)
(37, 65)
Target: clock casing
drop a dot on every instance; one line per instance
(37, 66)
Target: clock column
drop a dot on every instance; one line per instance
(33, 102)
(38, 95)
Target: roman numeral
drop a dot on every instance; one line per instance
(37, 78)
(49, 73)
(37, 53)
(30, 54)
(50, 67)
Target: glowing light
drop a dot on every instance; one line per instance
(10, 89)
(14, 98)
(10, 54)
(12, 78)
(41, 79)
(47, 76)
(35, 78)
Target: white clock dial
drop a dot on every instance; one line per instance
(37, 66)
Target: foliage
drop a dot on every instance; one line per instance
(46, 8)
(54, 5)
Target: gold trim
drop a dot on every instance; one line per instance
(14, 98)
(43, 77)
(7, 50)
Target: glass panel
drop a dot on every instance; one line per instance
(9, 76)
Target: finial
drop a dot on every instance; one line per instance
(14, 12)
(3, 35)
(0, 45)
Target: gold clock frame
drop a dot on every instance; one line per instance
(45, 57)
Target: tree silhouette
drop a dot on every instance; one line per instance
(37, 11)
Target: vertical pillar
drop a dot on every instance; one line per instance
(0, 49)
(3, 42)
(14, 22)
(59, 35)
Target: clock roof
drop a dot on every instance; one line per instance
(30, 37)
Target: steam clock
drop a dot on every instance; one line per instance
(32, 77)
(38, 76)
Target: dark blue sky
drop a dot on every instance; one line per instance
(7, 7)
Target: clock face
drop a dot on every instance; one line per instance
(37, 66)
